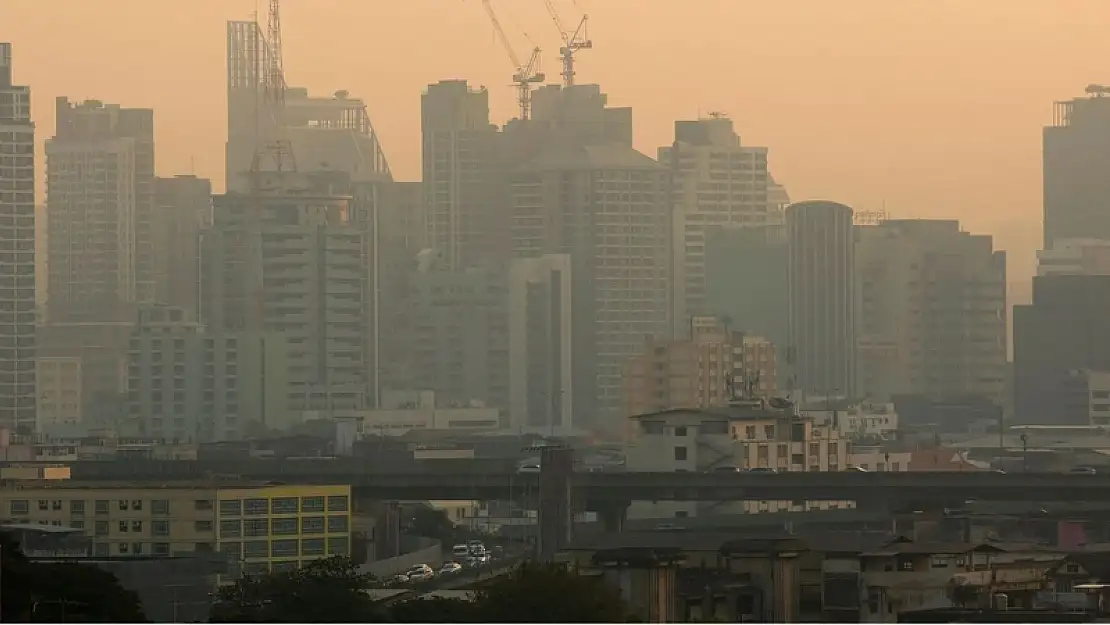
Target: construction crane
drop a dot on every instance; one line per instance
(526, 74)
(572, 42)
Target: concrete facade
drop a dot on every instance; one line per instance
(1076, 157)
(716, 181)
(822, 298)
(59, 392)
(183, 207)
(17, 244)
(932, 311)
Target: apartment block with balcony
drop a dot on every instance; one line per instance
(266, 528)
(745, 435)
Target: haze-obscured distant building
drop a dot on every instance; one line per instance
(822, 298)
(17, 264)
(932, 319)
(541, 330)
(100, 207)
(608, 207)
(1075, 257)
(716, 181)
(1057, 339)
(1076, 159)
(183, 208)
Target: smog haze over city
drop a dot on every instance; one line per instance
(554, 310)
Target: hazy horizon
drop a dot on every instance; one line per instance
(930, 108)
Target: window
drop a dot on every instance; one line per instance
(100, 550)
(231, 507)
(231, 529)
(136, 526)
(312, 547)
(202, 527)
(160, 549)
(136, 504)
(338, 546)
(905, 565)
(284, 548)
(749, 432)
(77, 524)
(202, 504)
(77, 506)
(56, 504)
(101, 506)
(123, 548)
(337, 524)
(160, 506)
(680, 431)
(159, 528)
(256, 568)
(123, 526)
(123, 504)
(101, 528)
(284, 505)
(679, 454)
(255, 507)
(19, 506)
(232, 549)
(256, 549)
(256, 527)
(312, 525)
(137, 549)
(312, 504)
(338, 503)
(284, 527)
(939, 562)
(44, 504)
(769, 432)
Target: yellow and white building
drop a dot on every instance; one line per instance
(266, 528)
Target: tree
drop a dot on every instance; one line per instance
(40, 592)
(435, 610)
(545, 593)
(329, 590)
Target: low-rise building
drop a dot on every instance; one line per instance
(746, 435)
(263, 527)
(404, 412)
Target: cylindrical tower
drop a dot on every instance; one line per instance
(821, 283)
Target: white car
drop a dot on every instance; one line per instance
(420, 572)
(529, 468)
(460, 551)
(449, 567)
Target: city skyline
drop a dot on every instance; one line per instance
(950, 162)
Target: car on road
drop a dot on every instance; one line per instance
(1083, 471)
(762, 470)
(528, 468)
(449, 568)
(460, 550)
(475, 547)
(856, 469)
(726, 468)
(420, 573)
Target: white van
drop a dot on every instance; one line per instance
(460, 551)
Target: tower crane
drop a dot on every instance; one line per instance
(573, 41)
(526, 74)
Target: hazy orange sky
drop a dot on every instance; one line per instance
(932, 108)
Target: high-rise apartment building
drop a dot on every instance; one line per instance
(716, 181)
(465, 212)
(292, 258)
(822, 298)
(541, 356)
(608, 207)
(1076, 159)
(932, 313)
(17, 251)
(100, 205)
(1089, 257)
(711, 368)
(183, 207)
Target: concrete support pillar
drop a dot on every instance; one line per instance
(556, 516)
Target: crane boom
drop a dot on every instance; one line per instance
(572, 41)
(525, 74)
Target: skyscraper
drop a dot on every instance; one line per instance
(466, 214)
(608, 207)
(17, 242)
(821, 306)
(183, 207)
(100, 204)
(932, 316)
(1076, 159)
(716, 181)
